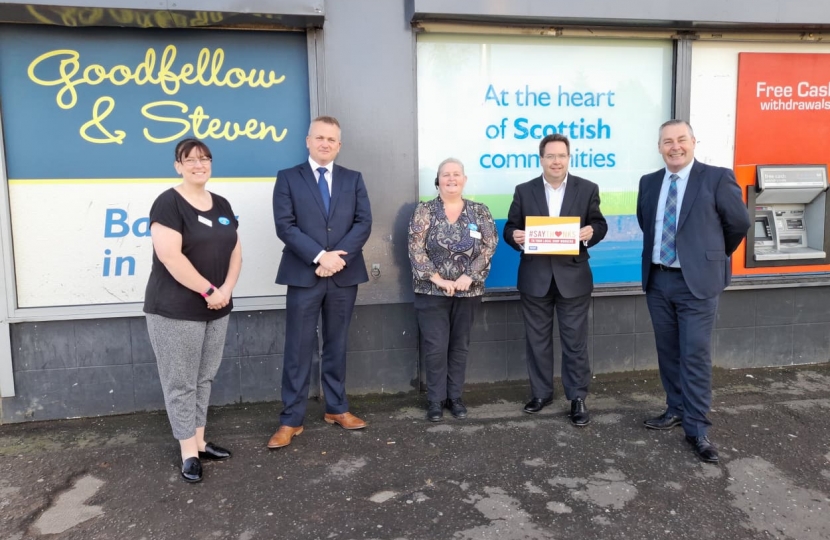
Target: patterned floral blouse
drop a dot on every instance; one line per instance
(436, 245)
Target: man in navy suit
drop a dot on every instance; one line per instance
(693, 217)
(322, 215)
(560, 283)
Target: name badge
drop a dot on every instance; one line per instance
(205, 221)
(475, 234)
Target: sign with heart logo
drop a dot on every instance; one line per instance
(545, 235)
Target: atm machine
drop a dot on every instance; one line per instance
(790, 216)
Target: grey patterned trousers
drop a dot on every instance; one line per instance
(188, 354)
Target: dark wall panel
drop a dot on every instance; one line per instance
(95, 367)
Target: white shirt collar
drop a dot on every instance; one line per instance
(315, 166)
(561, 186)
(683, 173)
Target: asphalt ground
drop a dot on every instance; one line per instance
(499, 474)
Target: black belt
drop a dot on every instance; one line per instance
(665, 268)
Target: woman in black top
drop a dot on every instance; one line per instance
(197, 258)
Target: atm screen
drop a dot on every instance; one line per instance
(762, 229)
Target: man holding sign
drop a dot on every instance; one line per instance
(553, 220)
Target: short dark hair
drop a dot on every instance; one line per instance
(327, 120)
(554, 137)
(185, 147)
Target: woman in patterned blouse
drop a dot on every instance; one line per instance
(451, 242)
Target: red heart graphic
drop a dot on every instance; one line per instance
(558, 233)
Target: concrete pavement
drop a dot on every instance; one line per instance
(499, 474)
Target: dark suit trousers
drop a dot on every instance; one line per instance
(445, 323)
(683, 332)
(572, 314)
(303, 307)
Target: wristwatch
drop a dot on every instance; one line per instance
(208, 292)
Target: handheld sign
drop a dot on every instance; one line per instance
(545, 235)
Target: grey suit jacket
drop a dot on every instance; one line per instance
(712, 223)
(572, 272)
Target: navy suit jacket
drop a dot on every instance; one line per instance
(306, 230)
(712, 223)
(572, 272)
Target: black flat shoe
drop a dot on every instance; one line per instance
(704, 449)
(664, 422)
(214, 453)
(457, 408)
(192, 470)
(579, 413)
(537, 404)
(435, 411)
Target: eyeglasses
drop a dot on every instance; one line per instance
(556, 157)
(191, 162)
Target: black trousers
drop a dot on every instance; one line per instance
(445, 323)
(572, 314)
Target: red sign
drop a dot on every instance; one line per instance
(783, 118)
(783, 113)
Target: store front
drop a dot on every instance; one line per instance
(94, 99)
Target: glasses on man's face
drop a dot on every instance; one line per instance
(555, 157)
(191, 162)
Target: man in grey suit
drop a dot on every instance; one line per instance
(560, 283)
(693, 217)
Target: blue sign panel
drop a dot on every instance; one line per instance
(91, 117)
(111, 103)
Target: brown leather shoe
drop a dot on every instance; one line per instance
(346, 420)
(283, 436)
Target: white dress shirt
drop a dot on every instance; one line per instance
(329, 171)
(555, 196)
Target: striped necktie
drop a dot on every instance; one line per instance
(668, 244)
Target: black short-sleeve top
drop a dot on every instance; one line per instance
(208, 239)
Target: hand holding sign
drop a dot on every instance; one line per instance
(545, 235)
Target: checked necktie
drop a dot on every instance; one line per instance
(324, 187)
(668, 245)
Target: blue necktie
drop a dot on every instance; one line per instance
(668, 244)
(324, 187)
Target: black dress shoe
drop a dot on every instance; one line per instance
(214, 453)
(435, 411)
(192, 470)
(537, 404)
(579, 413)
(457, 408)
(663, 422)
(704, 449)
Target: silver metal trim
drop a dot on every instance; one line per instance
(7, 285)
(683, 78)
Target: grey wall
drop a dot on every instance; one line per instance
(66, 369)
(369, 85)
(639, 12)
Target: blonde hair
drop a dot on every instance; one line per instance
(450, 160)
